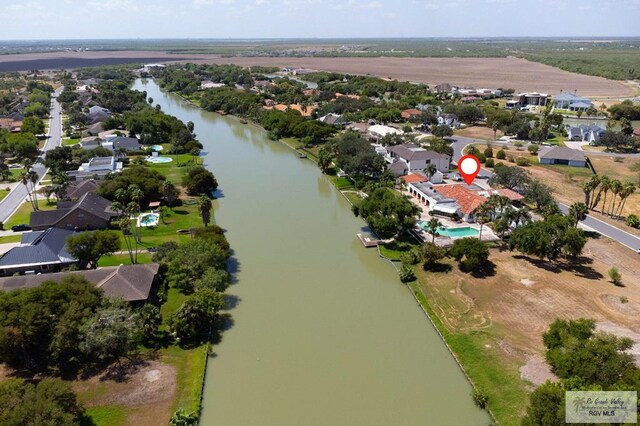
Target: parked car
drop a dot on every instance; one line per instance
(21, 227)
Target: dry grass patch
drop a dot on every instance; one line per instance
(478, 132)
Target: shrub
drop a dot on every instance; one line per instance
(481, 157)
(501, 155)
(479, 398)
(512, 159)
(488, 152)
(412, 257)
(615, 275)
(533, 149)
(407, 274)
(633, 221)
(471, 253)
(498, 165)
(518, 145)
(523, 161)
(489, 162)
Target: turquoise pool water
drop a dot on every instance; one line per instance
(158, 160)
(157, 147)
(148, 219)
(465, 231)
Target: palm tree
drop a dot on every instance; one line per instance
(204, 208)
(589, 187)
(616, 187)
(432, 228)
(605, 186)
(125, 226)
(33, 178)
(25, 178)
(430, 170)
(133, 211)
(482, 215)
(628, 189)
(170, 192)
(578, 212)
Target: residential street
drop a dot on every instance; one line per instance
(19, 194)
(599, 226)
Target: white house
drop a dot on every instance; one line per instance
(96, 168)
(524, 100)
(572, 102)
(410, 158)
(379, 131)
(586, 133)
(450, 120)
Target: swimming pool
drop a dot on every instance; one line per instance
(158, 160)
(465, 231)
(148, 219)
(157, 147)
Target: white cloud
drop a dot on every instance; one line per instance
(109, 5)
(372, 5)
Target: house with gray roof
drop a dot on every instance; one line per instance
(586, 133)
(91, 211)
(333, 119)
(96, 168)
(98, 114)
(572, 102)
(75, 190)
(563, 156)
(131, 283)
(38, 252)
(415, 159)
(112, 143)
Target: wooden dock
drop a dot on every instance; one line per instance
(368, 242)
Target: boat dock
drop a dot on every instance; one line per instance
(368, 242)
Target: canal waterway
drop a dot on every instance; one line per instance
(323, 331)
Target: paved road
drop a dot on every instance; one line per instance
(597, 225)
(19, 194)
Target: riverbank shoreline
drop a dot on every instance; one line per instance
(421, 302)
(291, 145)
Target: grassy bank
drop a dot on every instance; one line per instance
(484, 365)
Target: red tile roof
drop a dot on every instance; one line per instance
(408, 113)
(510, 194)
(467, 200)
(414, 177)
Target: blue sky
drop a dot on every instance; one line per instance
(108, 19)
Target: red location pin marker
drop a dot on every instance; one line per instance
(469, 167)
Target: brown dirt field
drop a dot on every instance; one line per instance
(146, 391)
(517, 304)
(515, 73)
(478, 132)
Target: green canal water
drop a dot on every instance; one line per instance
(323, 331)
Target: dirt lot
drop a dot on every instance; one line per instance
(478, 132)
(515, 73)
(146, 391)
(517, 304)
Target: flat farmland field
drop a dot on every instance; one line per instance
(510, 72)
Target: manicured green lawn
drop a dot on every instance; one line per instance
(108, 415)
(23, 213)
(11, 239)
(353, 197)
(395, 249)
(174, 170)
(70, 141)
(341, 182)
(124, 259)
(3, 194)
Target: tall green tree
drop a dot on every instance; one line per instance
(204, 209)
(88, 247)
